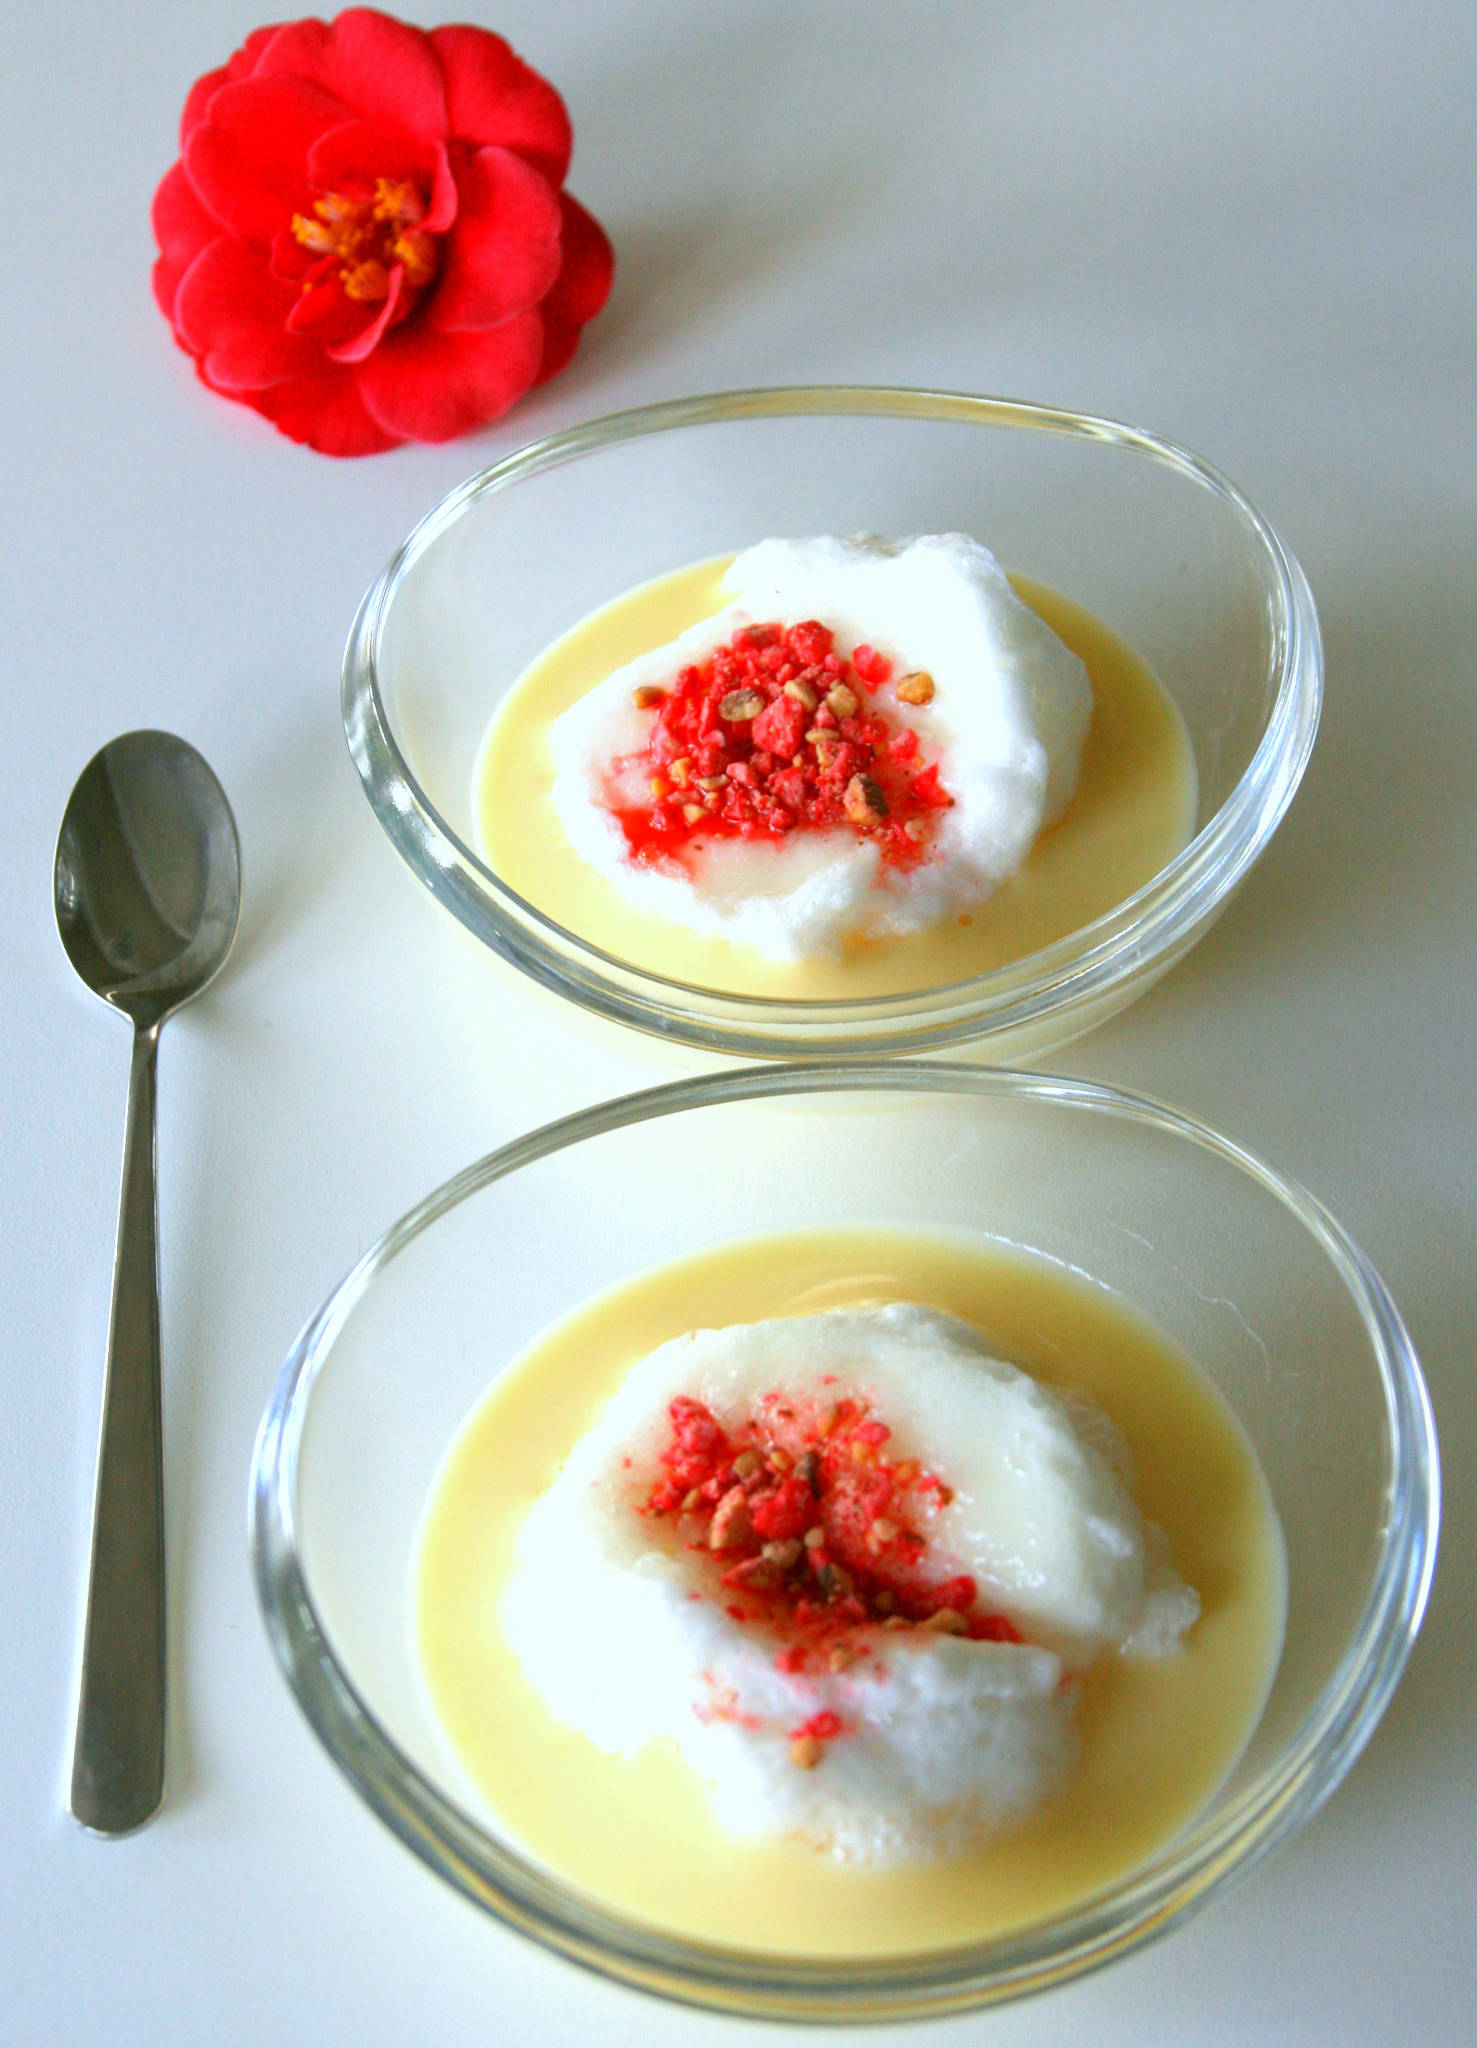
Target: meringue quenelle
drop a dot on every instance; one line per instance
(1047, 1737)
(865, 741)
(846, 1644)
(914, 804)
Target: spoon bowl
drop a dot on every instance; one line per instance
(147, 888)
(148, 875)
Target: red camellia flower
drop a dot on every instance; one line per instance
(366, 236)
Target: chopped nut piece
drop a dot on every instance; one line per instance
(916, 828)
(805, 1751)
(864, 802)
(739, 705)
(843, 701)
(680, 770)
(753, 1572)
(692, 812)
(747, 1463)
(646, 695)
(916, 688)
(711, 781)
(880, 1535)
(732, 1523)
(691, 1498)
(842, 1654)
(659, 787)
(802, 693)
(947, 1621)
(815, 1537)
(830, 1416)
(784, 1554)
(835, 1584)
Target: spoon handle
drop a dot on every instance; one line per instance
(118, 1760)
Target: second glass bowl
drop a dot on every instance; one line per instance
(1239, 1269)
(1143, 534)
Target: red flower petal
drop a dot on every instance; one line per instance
(182, 228)
(359, 152)
(589, 265)
(426, 386)
(445, 202)
(197, 99)
(241, 65)
(378, 67)
(230, 312)
(248, 158)
(492, 96)
(561, 339)
(327, 412)
(505, 254)
(368, 339)
(243, 62)
(583, 286)
(290, 259)
(326, 314)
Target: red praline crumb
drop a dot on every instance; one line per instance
(803, 1512)
(825, 1727)
(873, 668)
(768, 736)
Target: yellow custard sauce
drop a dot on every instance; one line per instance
(1133, 811)
(637, 1833)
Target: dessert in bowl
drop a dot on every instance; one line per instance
(1249, 1358)
(1075, 881)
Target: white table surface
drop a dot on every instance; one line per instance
(1250, 227)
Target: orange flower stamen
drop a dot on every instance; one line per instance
(368, 282)
(370, 236)
(397, 201)
(418, 254)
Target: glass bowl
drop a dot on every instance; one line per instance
(1240, 1269)
(1143, 534)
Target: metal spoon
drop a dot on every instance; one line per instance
(148, 890)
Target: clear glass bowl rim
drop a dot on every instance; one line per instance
(1192, 1871)
(1040, 995)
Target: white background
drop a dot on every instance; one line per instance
(1248, 227)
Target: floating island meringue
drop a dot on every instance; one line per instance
(540, 782)
(1124, 1756)
(864, 742)
(852, 1567)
